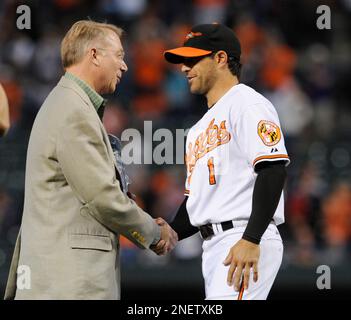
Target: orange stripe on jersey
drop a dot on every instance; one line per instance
(187, 192)
(241, 291)
(276, 156)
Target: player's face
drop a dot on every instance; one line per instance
(200, 73)
(112, 64)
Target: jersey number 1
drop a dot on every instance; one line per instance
(210, 164)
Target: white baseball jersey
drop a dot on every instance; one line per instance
(239, 131)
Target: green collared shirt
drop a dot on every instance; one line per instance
(94, 97)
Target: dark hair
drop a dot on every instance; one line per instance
(234, 66)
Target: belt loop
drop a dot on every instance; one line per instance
(219, 227)
(215, 228)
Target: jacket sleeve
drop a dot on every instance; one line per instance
(84, 159)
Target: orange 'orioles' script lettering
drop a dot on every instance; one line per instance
(207, 141)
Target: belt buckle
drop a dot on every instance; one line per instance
(206, 231)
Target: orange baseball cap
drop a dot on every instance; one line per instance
(203, 40)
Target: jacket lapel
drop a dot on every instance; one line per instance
(64, 82)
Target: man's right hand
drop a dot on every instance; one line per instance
(169, 238)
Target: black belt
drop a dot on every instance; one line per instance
(206, 230)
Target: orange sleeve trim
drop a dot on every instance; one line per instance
(187, 192)
(276, 156)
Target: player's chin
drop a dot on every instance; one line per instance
(195, 90)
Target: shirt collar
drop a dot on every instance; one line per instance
(94, 97)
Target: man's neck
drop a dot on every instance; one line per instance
(220, 89)
(78, 71)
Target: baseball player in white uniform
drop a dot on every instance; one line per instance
(235, 160)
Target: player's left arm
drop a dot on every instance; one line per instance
(261, 141)
(268, 188)
(244, 255)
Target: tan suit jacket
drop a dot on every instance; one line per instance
(74, 208)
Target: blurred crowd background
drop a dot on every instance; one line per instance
(304, 71)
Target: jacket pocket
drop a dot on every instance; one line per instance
(89, 241)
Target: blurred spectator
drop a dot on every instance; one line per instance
(149, 68)
(148, 36)
(302, 214)
(165, 185)
(20, 52)
(175, 85)
(67, 4)
(125, 10)
(115, 119)
(46, 58)
(337, 222)
(278, 66)
(5, 202)
(4, 112)
(208, 11)
(251, 36)
(293, 107)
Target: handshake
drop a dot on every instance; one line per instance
(168, 241)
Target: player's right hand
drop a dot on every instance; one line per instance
(169, 238)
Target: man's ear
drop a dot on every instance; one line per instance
(94, 57)
(221, 58)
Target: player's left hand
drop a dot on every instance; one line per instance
(242, 257)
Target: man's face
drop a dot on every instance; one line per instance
(112, 65)
(201, 74)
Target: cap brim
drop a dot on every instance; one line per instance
(178, 55)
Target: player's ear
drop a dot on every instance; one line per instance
(221, 58)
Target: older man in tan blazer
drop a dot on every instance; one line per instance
(75, 205)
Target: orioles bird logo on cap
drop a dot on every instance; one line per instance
(192, 35)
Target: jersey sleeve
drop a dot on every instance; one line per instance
(259, 134)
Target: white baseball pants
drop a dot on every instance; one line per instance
(216, 249)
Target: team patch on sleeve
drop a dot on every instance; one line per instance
(269, 132)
